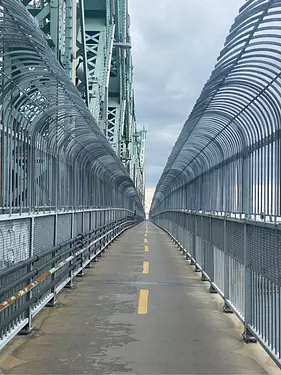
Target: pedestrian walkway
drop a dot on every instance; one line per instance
(140, 309)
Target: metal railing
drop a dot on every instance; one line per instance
(52, 260)
(219, 194)
(227, 156)
(241, 259)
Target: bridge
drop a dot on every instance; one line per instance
(87, 284)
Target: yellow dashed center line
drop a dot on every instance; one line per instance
(145, 240)
(145, 235)
(143, 302)
(146, 249)
(145, 267)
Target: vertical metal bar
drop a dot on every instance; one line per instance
(53, 301)
(248, 290)
(277, 187)
(69, 285)
(28, 327)
(226, 291)
(278, 331)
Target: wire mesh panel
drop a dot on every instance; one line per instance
(98, 218)
(102, 217)
(219, 268)
(86, 222)
(192, 223)
(14, 241)
(217, 231)
(64, 233)
(64, 223)
(44, 239)
(206, 228)
(264, 252)
(235, 240)
(198, 223)
(44, 233)
(78, 223)
(107, 216)
(94, 223)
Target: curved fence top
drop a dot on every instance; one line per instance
(42, 107)
(238, 110)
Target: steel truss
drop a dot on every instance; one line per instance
(54, 155)
(92, 42)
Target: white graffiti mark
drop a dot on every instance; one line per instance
(14, 242)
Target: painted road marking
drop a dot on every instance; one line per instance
(145, 235)
(145, 240)
(146, 249)
(145, 267)
(143, 302)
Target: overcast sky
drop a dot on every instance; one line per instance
(175, 47)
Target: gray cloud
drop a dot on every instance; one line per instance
(175, 47)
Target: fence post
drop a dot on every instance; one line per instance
(83, 221)
(203, 250)
(211, 259)
(89, 213)
(226, 307)
(31, 253)
(28, 314)
(81, 273)
(53, 301)
(69, 285)
(95, 223)
(248, 290)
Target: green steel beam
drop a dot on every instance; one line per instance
(91, 39)
(57, 19)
